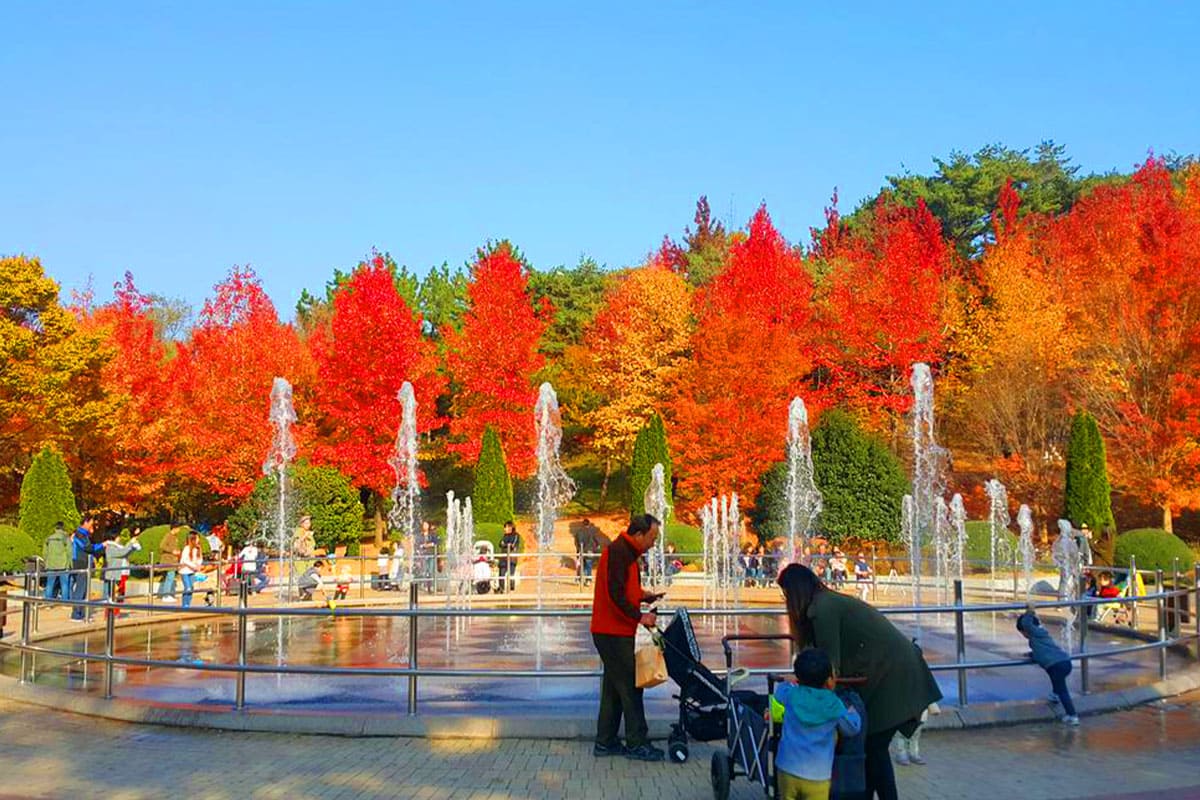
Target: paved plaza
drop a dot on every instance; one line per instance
(50, 754)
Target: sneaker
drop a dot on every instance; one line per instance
(602, 750)
(917, 760)
(1053, 699)
(645, 752)
(1071, 721)
(167, 598)
(902, 758)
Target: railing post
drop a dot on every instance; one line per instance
(87, 587)
(37, 582)
(25, 623)
(960, 643)
(220, 574)
(150, 591)
(1131, 580)
(240, 692)
(362, 575)
(1162, 625)
(1177, 603)
(412, 648)
(1196, 603)
(110, 618)
(1084, 682)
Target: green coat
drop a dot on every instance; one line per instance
(861, 642)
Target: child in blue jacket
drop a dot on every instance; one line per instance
(812, 718)
(1050, 657)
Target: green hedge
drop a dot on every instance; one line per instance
(492, 494)
(322, 492)
(861, 480)
(686, 539)
(1154, 548)
(151, 540)
(979, 536)
(15, 547)
(489, 531)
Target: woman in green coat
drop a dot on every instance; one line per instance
(861, 642)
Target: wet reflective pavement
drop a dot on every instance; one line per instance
(497, 643)
(1146, 752)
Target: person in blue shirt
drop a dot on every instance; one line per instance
(812, 718)
(81, 549)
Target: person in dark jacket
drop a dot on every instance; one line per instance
(510, 545)
(862, 643)
(82, 550)
(616, 614)
(1050, 657)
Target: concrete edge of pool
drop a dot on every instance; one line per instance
(446, 726)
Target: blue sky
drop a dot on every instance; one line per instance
(177, 139)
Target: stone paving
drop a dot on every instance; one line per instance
(50, 754)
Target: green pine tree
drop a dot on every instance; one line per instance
(46, 497)
(492, 498)
(1088, 493)
(862, 482)
(649, 448)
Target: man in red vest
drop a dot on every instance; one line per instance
(616, 613)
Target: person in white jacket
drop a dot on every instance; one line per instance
(191, 563)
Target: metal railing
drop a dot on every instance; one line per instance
(30, 601)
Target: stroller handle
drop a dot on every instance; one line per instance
(849, 680)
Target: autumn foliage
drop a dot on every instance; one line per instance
(493, 359)
(1029, 309)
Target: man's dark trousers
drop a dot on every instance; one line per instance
(619, 694)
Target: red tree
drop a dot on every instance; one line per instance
(1129, 256)
(222, 385)
(494, 358)
(883, 305)
(369, 346)
(751, 353)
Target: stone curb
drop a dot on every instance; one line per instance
(533, 727)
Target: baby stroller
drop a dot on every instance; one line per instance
(710, 709)
(481, 569)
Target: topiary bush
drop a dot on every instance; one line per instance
(649, 448)
(492, 496)
(1154, 548)
(687, 539)
(861, 481)
(15, 547)
(321, 492)
(1088, 496)
(769, 514)
(46, 497)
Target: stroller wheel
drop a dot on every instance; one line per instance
(678, 752)
(721, 775)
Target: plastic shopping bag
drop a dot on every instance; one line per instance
(651, 666)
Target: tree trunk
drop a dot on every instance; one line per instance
(604, 485)
(1166, 509)
(379, 527)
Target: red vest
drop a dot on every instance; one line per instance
(607, 617)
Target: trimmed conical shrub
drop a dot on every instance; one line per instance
(649, 448)
(1088, 493)
(492, 497)
(46, 497)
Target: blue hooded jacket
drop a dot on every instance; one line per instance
(82, 547)
(811, 720)
(1042, 647)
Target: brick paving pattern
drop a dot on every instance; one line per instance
(49, 754)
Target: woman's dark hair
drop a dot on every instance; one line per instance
(800, 585)
(812, 667)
